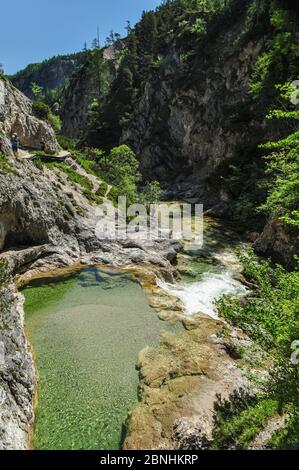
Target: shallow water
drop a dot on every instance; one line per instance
(86, 332)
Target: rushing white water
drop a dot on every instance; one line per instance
(200, 296)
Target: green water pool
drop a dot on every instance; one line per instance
(86, 332)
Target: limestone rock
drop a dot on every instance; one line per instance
(16, 116)
(179, 384)
(279, 241)
(17, 374)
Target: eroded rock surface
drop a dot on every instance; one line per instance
(16, 116)
(179, 383)
(17, 374)
(279, 241)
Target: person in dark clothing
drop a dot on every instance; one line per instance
(1, 145)
(15, 143)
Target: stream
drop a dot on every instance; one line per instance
(208, 271)
(87, 328)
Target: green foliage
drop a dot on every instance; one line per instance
(151, 194)
(4, 276)
(275, 71)
(281, 59)
(103, 189)
(239, 420)
(66, 143)
(74, 177)
(120, 169)
(287, 437)
(42, 111)
(6, 165)
(38, 163)
(271, 318)
(36, 90)
(55, 122)
(282, 166)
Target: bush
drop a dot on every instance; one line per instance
(120, 169)
(41, 110)
(102, 191)
(55, 122)
(270, 318)
(151, 194)
(4, 276)
(66, 143)
(6, 165)
(239, 420)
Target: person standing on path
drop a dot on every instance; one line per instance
(15, 143)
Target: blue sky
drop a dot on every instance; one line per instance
(34, 30)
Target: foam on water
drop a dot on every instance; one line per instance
(200, 296)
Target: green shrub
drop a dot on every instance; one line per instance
(120, 169)
(55, 122)
(287, 437)
(7, 166)
(270, 318)
(102, 191)
(41, 110)
(151, 194)
(4, 276)
(239, 420)
(38, 163)
(283, 170)
(66, 143)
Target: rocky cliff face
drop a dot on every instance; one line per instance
(49, 74)
(82, 90)
(17, 374)
(193, 118)
(16, 116)
(279, 241)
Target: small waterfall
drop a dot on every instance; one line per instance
(200, 296)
